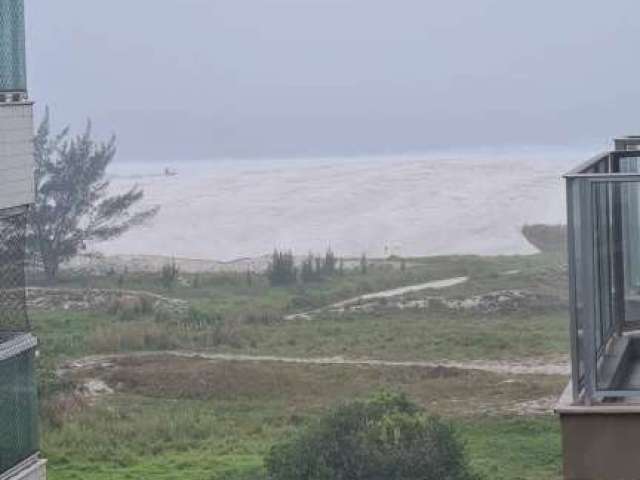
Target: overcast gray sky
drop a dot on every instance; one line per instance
(196, 79)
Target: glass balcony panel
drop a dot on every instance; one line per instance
(604, 294)
(630, 217)
(575, 226)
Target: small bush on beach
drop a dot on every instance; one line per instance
(315, 269)
(282, 270)
(364, 264)
(384, 438)
(169, 275)
(197, 319)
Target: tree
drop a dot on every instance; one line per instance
(73, 205)
(384, 438)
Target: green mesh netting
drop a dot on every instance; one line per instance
(18, 410)
(13, 72)
(13, 309)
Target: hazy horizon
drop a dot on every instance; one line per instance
(199, 79)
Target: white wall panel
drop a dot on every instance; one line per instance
(16, 155)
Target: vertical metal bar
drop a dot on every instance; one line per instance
(619, 313)
(588, 288)
(573, 304)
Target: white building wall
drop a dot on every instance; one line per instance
(16, 155)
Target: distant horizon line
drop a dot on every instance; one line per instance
(503, 149)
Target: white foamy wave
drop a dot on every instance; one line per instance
(410, 205)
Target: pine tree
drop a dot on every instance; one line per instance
(72, 204)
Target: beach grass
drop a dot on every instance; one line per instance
(191, 418)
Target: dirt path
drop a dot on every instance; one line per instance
(394, 292)
(559, 367)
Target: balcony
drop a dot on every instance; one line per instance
(603, 199)
(600, 411)
(19, 439)
(19, 413)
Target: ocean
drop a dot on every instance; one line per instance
(406, 205)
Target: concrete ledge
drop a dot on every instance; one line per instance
(600, 441)
(32, 469)
(17, 345)
(566, 406)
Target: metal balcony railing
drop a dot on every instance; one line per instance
(18, 396)
(19, 439)
(13, 75)
(603, 201)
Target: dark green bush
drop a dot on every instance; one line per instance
(169, 275)
(282, 270)
(384, 438)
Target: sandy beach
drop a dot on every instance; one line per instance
(411, 205)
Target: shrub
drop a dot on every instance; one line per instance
(364, 265)
(198, 320)
(282, 270)
(330, 262)
(169, 274)
(307, 274)
(384, 438)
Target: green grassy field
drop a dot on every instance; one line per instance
(500, 448)
(202, 420)
(400, 336)
(197, 419)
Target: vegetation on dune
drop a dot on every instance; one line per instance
(282, 270)
(220, 420)
(169, 274)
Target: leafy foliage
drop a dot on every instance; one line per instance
(72, 201)
(384, 438)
